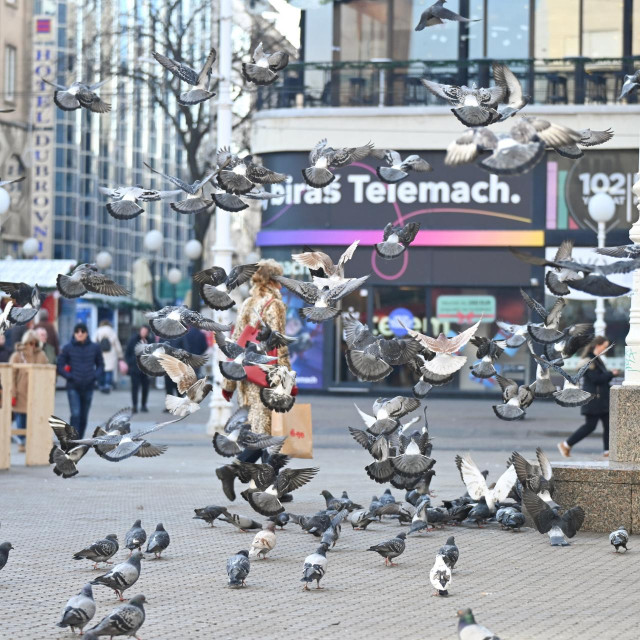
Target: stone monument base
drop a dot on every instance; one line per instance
(609, 493)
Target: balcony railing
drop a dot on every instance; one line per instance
(397, 83)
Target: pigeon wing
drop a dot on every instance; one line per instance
(99, 283)
(180, 372)
(539, 510)
(545, 464)
(571, 521)
(305, 290)
(148, 450)
(206, 69)
(290, 479)
(591, 138)
(178, 69)
(504, 484)
(471, 476)
(348, 254)
(448, 92)
(240, 274)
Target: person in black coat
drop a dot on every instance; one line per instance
(139, 380)
(80, 363)
(597, 381)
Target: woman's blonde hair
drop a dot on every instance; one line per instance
(30, 336)
(264, 278)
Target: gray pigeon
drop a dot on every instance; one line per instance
(210, 513)
(488, 351)
(262, 69)
(267, 502)
(158, 541)
(513, 96)
(238, 439)
(537, 478)
(183, 375)
(630, 83)
(99, 551)
(516, 399)
(241, 522)
(332, 534)
(510, 518)
(198, 80)
(314, 568)
(360, 519)
(5, 547)
(437, 14)
(122, 576)
(214, 277)
(125, 200)
(64, 455)
(396, 239)
(469, 629)
(239, 176)
(450, 552)
(79, 610)
(239, 358)
(135, 537)
(123, 621)
(85, 277)
(173, 322)
(26, 297)
(79, 95)
(398, 169)
(322, 157)
(547, 519)
(619, 538)
(147, 357)
(390, 549)
(282, 519)
(589, 138)
(238, 567)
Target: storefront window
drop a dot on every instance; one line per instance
(557, 28)
(508, 29)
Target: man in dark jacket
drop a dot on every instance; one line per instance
(80, 363)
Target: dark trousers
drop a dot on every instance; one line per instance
(80, 403)
(139, 381)
(170, 386)
(589, 426)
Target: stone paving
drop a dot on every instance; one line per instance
(517, 585)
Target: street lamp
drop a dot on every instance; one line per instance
(602, 208)
(103, 260)
(174, 276)
(5, 201)
(153, 241)
(30, 247)
(193, 249)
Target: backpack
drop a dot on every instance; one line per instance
(105, 345)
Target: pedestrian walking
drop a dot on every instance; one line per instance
(112, 353)
(47, 349)
(80, 362)
(139, 380)
(597, 381)
(27, 351)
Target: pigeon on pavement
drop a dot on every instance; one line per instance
(396, 239)
(124, 205)
(390, 549)
(360, 519)
(440, 576)
(199, 80)
(262, 69)
(314, 567)
(282, 519)
(210, 513)
(323, 157)
(548, 520)
(5, 547)
(510, 518)
(210, 279)
(84, 278)
(173, 322)
(332, 533)
(241, 522)
(123, 621)
(469, 629)
(195, 390)
(147, 357)
(477, 485)
(238, 567)
(122, 576)
(158, 541)
(398, 169)
(264, 541)
(99, 551)
(79, 610)
(437, 14)
(619, 538)
(537, 478)
(79, 94)
(135, 537)
(449, 552)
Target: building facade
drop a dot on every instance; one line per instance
(360, 81)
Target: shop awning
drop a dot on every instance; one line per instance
(32, 272)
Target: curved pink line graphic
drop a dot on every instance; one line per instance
(274, 217)
(403, 268)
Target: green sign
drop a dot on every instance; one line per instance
(466, 309)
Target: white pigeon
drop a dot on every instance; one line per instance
(440, 577)
(477, 485)
(264, 541)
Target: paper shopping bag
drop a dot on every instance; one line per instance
(296, 424)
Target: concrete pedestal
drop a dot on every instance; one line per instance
(608, 491)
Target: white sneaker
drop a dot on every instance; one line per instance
(564, 449)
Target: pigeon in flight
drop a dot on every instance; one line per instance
(321, 265)
(158, 541)
(230, 202)
(446, 361)
(440, 577)
(4, 183)
(387, 413)
(513, 97)
(322, 298)
(589, 139)
(314, 568)
(278, 395)
(238, 567)
(515, 398)
(271, 339)
(538, 478)
(210, 513)
(469, 629)
(630, 83)
(323, 157)
(128, 444)
(122, 576)
(474, 106)
(86, 277)
(262, 69)
(437, 14)
(413, 458)
(200, 81)
(124, 205)
(79, 610)
(239, 176)
(147, 357)
(619, 538)
(65, 455)
(267, 502)
(100, 551)
(259, 476)
(371, 357)
(7, 110)
(623, 251)
(396, 239)
(476, 483)
(195, 390)
(79, 95)
(239, 357)
(173, 322)
(390, 549)
(549, 332)
(571, 394)
(242, 437)
(123, 621)
(547, 519)
(398, 169)
(195, 201)
(210, 279)
(264, 541)
(488, 351)
(26, 297)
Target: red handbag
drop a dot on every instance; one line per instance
(255, 375)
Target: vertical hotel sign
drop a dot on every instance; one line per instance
(43, 120)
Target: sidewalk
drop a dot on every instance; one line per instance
(517, 585)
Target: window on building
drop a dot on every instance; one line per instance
(557, 28)
(602, 28)
(507, 29)
(9, 73)
(363, 30)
